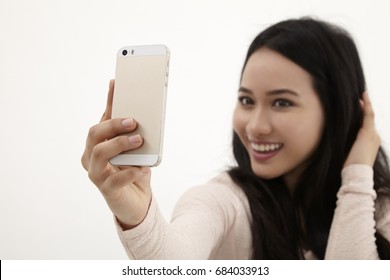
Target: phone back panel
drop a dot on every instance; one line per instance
(140, 92)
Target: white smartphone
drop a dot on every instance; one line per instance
(141, 80)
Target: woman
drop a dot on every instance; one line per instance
(311, 181)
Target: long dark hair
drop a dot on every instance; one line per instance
(283, 224)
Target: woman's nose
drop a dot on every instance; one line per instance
(259, 124)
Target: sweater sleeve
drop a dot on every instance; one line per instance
(200, 220)
(352, 233)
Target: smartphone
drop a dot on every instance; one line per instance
(141, 80)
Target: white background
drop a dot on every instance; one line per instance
(56, 59)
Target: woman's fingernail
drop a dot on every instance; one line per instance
(127, 122)
(135, 139)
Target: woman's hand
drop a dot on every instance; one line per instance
(367, 143)
(126, 189)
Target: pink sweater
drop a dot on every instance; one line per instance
(212, 221)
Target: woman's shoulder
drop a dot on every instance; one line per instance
(219, 192)
(220, 185)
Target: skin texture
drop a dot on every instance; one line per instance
(367, 143)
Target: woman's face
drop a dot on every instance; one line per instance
(278, 117)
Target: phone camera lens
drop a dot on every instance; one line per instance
(124, 52)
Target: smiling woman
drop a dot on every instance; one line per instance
(328, 147)
(277, 106)
(311, 180)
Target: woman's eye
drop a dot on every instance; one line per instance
(282, 103)
(245, 100)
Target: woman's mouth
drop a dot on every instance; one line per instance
(265, 151)
(266, 148)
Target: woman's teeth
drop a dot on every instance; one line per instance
(266, 147)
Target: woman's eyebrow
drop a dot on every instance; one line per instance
(270, 92)
(245, 90)
(282, 91)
